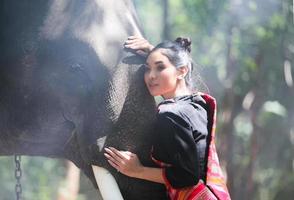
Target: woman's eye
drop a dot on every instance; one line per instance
(160, 67)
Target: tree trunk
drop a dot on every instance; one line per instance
(258, 89)
(230, 109)
(166, 20)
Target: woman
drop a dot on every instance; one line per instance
(181, 133)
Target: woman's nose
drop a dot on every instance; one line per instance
(152, 74)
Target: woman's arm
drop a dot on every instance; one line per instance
(175, 144)
(128, 164)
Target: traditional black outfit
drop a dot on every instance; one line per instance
(180, 146)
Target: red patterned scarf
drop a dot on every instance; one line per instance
(214, 177)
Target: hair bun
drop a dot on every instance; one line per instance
(185, 43)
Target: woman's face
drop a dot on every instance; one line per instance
(161, 76)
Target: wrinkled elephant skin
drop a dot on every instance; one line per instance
(66, 84)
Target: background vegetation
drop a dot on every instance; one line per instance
(244, 51)
(245, 55)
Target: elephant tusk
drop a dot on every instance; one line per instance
(106, 183)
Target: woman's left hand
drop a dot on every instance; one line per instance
(124, 161)
(139, 44)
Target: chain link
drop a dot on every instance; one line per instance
(18, 174)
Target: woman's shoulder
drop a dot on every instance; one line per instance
(182, 104)
(188, 108)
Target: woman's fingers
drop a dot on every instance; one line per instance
(133, 37)
(124, 161)
(130, 41)
(114, 153)
(137, 43)
(118, 157)
(140, 45)
(114, 158)
(113, 164)
(134, 40)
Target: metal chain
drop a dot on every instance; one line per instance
(18, 173)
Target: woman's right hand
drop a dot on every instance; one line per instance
(125, 162)
(139, 44)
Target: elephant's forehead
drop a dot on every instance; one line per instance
(103, 25)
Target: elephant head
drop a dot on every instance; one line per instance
(68, 88)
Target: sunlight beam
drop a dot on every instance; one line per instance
(248, 100)
(288, 73)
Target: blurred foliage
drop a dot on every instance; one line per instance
(244, 51)
(39, 177)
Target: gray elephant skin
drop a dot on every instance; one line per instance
(67, 84)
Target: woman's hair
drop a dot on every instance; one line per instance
(178, 53)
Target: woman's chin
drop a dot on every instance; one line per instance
(153, 93)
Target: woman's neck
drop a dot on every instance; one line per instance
(180, 90)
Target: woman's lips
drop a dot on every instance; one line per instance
(152, 85)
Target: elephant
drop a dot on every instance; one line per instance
(68, 88)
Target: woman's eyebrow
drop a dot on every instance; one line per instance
(158, 62)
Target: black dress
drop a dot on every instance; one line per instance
(180, 140)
